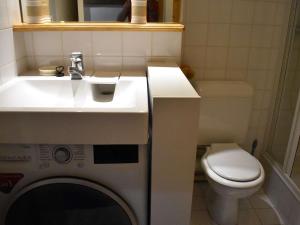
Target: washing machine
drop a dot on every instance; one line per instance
(73, 184)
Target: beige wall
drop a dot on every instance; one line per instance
(238, 40)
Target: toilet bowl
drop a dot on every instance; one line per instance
(232, 174)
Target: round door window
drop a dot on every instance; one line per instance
(68, 202)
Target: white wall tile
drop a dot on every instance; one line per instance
(7, 52)
(134, 63)
(278, 37)
(258, 99)
(218, 35)
(199, 74)
(166, 44)
(104, 63)
(107, 43)
(215, 74)
(195, 34)
(242, 12)
(257, 78)
(8, 72)
(19, 42)
(261, 36)
(265, 12)
(28, 38)
(282, 14)
(240, 35)
(136, 44)
(220, 11)
(31, 64)
(104, 50)
(76, 41)
(197, 11)
(49, 60)
(47, 43)
(270, 79)
(4, 19)
(259, 58)
(194, 56)
(216, 57)
(267, 100)
(165, 59)
(238, 58)
(236, 75)
(22, 65)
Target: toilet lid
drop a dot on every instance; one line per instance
(233, 163)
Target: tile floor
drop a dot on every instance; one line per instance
(256, 210)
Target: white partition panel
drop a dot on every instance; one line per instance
(175, 108)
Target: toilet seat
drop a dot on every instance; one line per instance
(226, 182)
(233, 163)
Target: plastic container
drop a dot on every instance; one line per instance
(139, 11)
(36, 11)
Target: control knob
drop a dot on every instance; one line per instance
(62, 155)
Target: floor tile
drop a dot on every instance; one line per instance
(248, 217)
(202, 187)
(201, 218)
(244, 204)
(255, 210)
(199, 203)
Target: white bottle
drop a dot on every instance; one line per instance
(139, 11)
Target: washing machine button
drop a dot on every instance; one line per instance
(62, 155)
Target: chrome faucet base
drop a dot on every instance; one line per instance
(76, 70)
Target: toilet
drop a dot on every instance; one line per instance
(231, 171)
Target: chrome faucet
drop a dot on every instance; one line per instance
(76, 70)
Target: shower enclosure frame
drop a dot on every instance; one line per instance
(293, 145)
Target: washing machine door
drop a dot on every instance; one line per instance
(68, 201)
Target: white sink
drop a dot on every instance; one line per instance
(56, 110)
(127, 94)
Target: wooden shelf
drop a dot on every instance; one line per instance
(76, 26)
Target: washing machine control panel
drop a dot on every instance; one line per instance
(16, 153)
(61, 154)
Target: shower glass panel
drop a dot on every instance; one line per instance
(286, 100)
(284, 145)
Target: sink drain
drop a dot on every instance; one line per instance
(107, 92)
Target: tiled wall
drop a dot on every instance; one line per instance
(105, 51)
(10, 60)
(238, 40)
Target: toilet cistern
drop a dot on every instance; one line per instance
(76, 70)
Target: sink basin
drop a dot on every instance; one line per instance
(54, 110)
(64, 95)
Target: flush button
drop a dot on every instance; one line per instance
(62, 155)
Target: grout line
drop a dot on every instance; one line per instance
(122, 50)
(228, 43)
